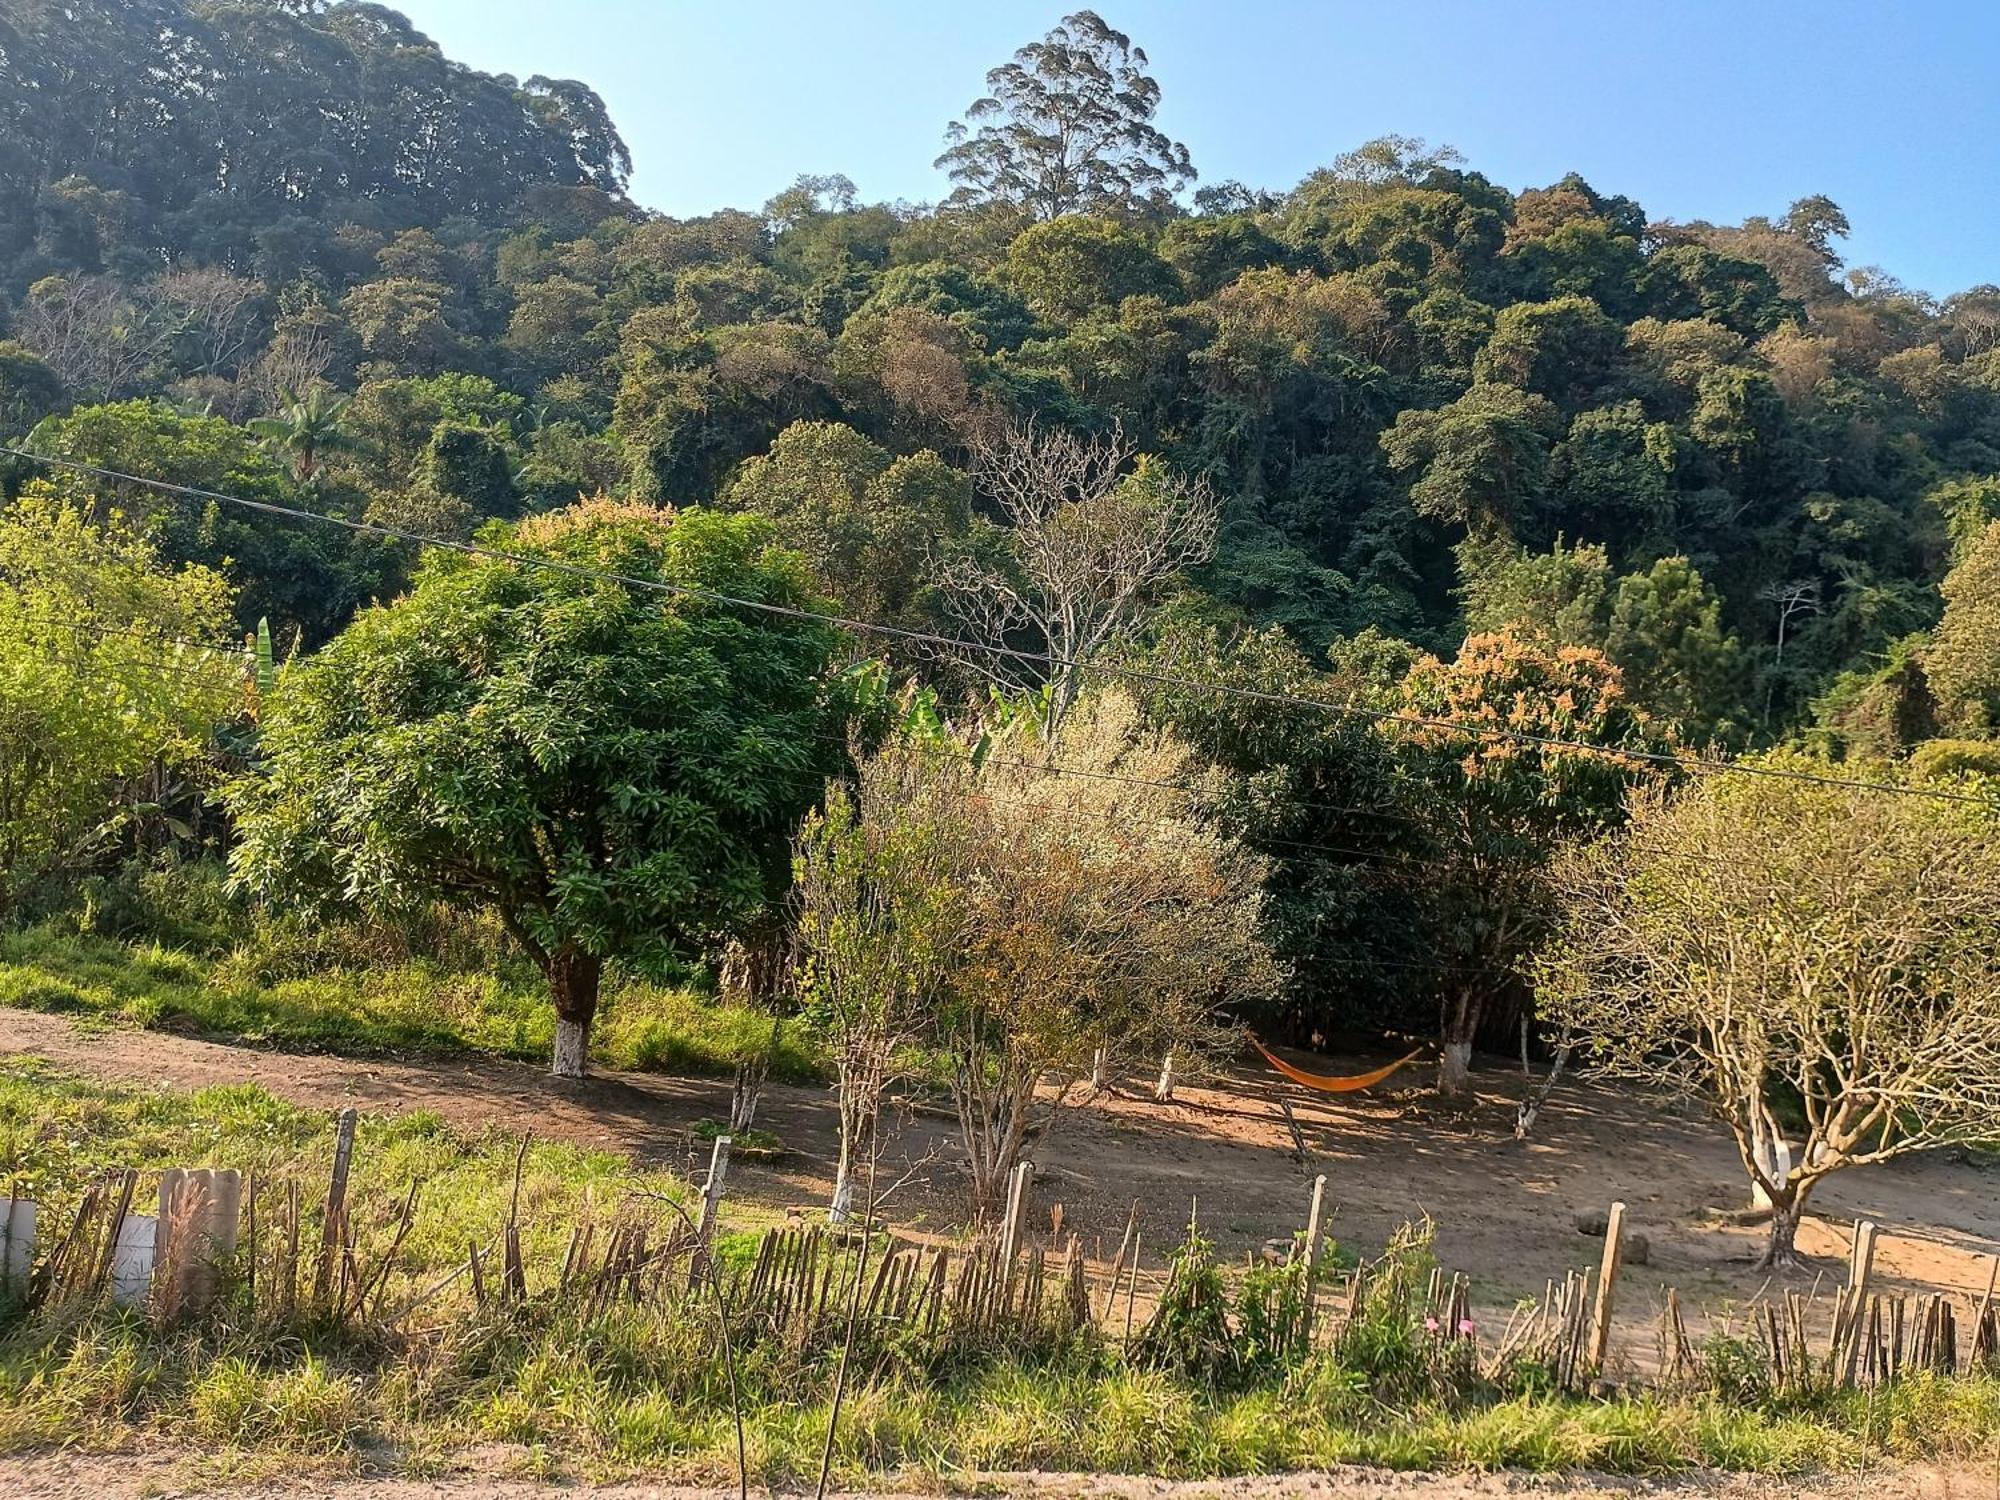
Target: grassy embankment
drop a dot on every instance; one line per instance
(357, 1004)
(640, 1388)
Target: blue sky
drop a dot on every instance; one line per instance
(1697, 108)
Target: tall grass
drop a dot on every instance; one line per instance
(639, 1387)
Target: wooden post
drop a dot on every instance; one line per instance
(1861, 1266)
(1118, 1263)
(1312, 1257)
(1312, 1252)
(1010, 1227)
(336, 1205)
(1607, 1277)
(711, 1193)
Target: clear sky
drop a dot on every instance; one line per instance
(1708, 109)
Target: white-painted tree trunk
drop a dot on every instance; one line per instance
(1100, 1076)
(1455, 1069)
(572, 1059)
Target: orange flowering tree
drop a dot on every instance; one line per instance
(1493, 798)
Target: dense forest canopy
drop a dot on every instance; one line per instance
(1700, 479)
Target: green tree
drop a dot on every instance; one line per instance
(1963, 664)
(1562, 596)
(305, 578)
(1067, 127)
(1069, 266)
(1563, 350)
(1680, 664)
(615, 770)
(29, 389)
(1491, 811)
(306, 429)
(875, 529)
(1481, 462)
(112, 662)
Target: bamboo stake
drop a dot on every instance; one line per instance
(336, 1204)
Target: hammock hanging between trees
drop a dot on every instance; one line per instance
(1328, 1083)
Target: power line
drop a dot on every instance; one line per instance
(1691, 764)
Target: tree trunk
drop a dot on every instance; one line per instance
(1781, 1251)
(1460, 1023)
(573, 980)
(842, 1208)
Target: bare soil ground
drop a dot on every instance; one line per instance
(159, 1477)
(1504, 1213)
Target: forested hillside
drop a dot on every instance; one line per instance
(1672, 484)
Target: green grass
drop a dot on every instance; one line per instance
(640, 1389)
(322, 1003)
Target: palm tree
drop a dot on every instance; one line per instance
(306, 429)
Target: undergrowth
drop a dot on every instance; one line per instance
(1217, 1384)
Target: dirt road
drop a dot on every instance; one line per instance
(70, 1477)
(1504, 1212)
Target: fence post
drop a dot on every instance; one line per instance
(711, 1192)
(336, 1205)
(1312, 1256)
(1607, 1277)
(1860, 1266)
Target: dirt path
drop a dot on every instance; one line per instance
(1504, 1213)
(151, 1477)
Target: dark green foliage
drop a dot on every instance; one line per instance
(1429, 407)
(614, 770)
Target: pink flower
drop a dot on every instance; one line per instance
(1465, 1326)
(1431, 1324)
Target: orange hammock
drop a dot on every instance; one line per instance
(1328, 1083)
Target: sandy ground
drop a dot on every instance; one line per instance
(1504, 1213)
(151, 1477)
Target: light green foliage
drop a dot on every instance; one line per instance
(874, 527)
(1968, 506)
(1069, 266)
(1563, 595)
(1562, 350)
(613, 769)
(393, 419)
(992, 314)
(1964, 660)
(111, 663)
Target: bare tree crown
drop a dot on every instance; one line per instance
(1095, 528)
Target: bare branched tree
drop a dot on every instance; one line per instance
(296, 361)
(216, 313)
(1091, 541)
(1817, 960)
(95, 334)
(878, 907)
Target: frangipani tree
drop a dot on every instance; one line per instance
(1817, 961)
(615, 769)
